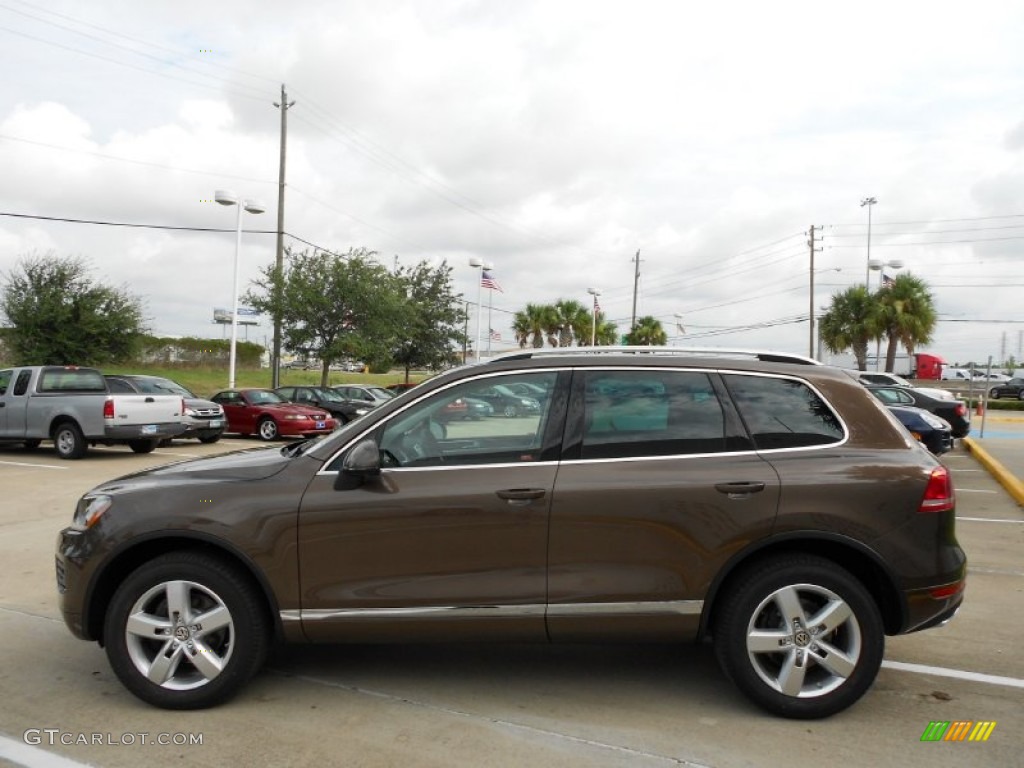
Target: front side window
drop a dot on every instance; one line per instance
(783, 413)
(465, 425)
(650, 413)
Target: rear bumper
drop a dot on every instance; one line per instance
(144, 431)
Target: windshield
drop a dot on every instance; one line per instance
(380, 392)
(263, 397)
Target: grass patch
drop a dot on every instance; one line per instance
(208, 381)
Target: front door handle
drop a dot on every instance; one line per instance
(521, 496)
(739, 490)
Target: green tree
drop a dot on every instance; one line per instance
(60, 316)
(851, 322)
(906, 315)
(647, 333)
(334, 307)
(432, 318)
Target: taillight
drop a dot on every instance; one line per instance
(938, 496)
(108, 409)
(182, 411)
(961, 409)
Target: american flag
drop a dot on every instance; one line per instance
(597, 305)
(495, 336)
(886, 281)
(487, 281)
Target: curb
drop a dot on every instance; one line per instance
(1014, 486)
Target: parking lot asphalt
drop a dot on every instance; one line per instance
(997, 441)
(499, 705)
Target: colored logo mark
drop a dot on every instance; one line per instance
(958, 730)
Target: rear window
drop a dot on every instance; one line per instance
(71, 380)
(783, 413)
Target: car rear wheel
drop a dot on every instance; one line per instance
(511, 411)
(207, 439)
(69, 441)
(31, 445)
(993, 393)
(267, 429)
(1020, 395)
(800, 636)
(143, 446)
(185, 631)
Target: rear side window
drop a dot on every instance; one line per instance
(783, 413)
(650, 413)
(71, 380)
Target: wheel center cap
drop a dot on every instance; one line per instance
(181, 633)
(802, 638)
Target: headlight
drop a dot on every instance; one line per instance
(189, 412)
(362, 411)
(933, 421)
(90, 509)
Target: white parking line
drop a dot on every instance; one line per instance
(959, 674)
(989, 520)
(973, 490)
(20, 753)
(37, 466)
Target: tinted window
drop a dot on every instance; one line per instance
(5, 380)
(650, 413)
(783, 413)
(21, 387)
(458, 427)
(117, 386)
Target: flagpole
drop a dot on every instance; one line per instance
(477, 262)
(490, 328)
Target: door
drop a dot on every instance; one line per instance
(449, 541)
(658, 487)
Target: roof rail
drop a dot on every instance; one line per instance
(753, 354)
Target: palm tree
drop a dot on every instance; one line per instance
(907, 315)
(852, 321)
(607, 334)
(574, 321)
(647, 333)
(529, 325)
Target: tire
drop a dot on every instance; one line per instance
(267, 429)
(1020, 395)
(69, 441)
(993, 394)
(31, 445)
(143, 446)
(511, 411)
(841, 663)
(180, 664)
(207, 439)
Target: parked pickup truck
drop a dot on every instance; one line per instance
(73, 407)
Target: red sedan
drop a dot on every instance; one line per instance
(262, 412)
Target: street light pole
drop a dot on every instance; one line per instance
(595, 292)
(868, 201)
(251, 206)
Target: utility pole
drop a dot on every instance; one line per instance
(636, 283)
(810, 345)
(275, 361)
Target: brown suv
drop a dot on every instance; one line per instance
(763, 502)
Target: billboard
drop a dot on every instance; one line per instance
(246, 316)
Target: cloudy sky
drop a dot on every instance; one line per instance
(554, 139)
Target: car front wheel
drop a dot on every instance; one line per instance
(800, 636)
(185, 631)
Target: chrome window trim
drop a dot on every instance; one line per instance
(554, 610)
(482, 375)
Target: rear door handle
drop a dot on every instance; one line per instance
(150, 400)
(737, 490)
(521, 496)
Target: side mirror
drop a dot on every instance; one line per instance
(361, 463)
(363, 460)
